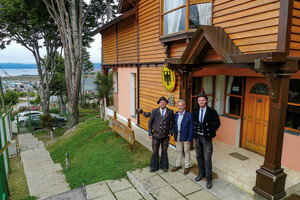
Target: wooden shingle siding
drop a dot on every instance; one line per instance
(252, 25)
(210, 55)
(295, 33)
(127, 41)
(150, 47)
(151, 89)
(109, 47)
(177, 48)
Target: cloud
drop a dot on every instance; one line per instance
(15, 53)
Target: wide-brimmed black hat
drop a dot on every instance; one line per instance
(202, 95)
(162, 98)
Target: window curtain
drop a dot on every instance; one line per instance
(173, 19)
(204, 10)
(228, 90)
(208, 88)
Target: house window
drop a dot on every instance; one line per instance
(292, 121)
(175, 17)
(233, 95)
(115, 78)
(204, 84)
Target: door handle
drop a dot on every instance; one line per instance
(244, 117)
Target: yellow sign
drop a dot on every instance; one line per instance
(168, 78)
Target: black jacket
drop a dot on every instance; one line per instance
(161, 127)
(211, 122)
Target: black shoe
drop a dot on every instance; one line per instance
(199, 177)
(208, 184)
(165, 170)
(152, 170)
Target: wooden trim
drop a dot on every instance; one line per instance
(285, 25)
(291, 129)
(177, 36)
(161, 29)
(116, 20)
(137, 34)
(117, 52)
(187, 15)
(233, 95)
(164, 13)
(293, 104)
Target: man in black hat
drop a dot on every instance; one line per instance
(160, 130)
(206, 123)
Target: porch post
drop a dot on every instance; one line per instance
(185, 89)
(270, 179)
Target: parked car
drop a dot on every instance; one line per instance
(35, 121)
(23, 116)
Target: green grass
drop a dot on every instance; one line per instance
(44, 135)
(95, 155)
(87, 113)
(17, 181)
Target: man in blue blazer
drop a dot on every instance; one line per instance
(183, 135)
(207, 122)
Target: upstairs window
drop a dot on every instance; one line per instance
(182, 15)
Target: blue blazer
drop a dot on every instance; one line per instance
(186, 127)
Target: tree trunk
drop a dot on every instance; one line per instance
(68, 16)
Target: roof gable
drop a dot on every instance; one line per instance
(203, 38)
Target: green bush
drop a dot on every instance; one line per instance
(47, 121)
(11, 97)
(86, 105)
(94, 105)
(22, 94)
(54, 110)
(32, 94)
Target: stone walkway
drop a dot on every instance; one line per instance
(44, 178)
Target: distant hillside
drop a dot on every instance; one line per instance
(17, 66)
(97, 66)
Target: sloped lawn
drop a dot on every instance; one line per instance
(95, 155)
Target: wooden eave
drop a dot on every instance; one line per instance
(116, 20)
(203, 38)
(124, 6)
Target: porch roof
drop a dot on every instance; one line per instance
(215, 37)
(203, 38)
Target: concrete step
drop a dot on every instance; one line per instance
(176, 185)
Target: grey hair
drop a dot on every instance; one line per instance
(181, 100)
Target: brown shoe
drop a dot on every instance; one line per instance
(186, 171)
(176, 168)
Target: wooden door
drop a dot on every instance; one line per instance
(256, 115)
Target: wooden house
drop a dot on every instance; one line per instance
(242, 53)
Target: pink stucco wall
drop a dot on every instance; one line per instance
(124, 100)
(227, 131)
(116, 99)
(291, 143)
(290, 152)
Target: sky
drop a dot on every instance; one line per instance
(15, 53)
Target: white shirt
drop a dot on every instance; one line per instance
(204, 111)
(179, 120)
(163, 110)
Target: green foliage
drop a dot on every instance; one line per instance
(58, 85)
(54, 110)
(11, 98)
(87, 113)
(104, 85)
(32, 94)
(95, 155)
(47, 121)
(36, 101)
(22, 94)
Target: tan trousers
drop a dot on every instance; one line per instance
(179, 147)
